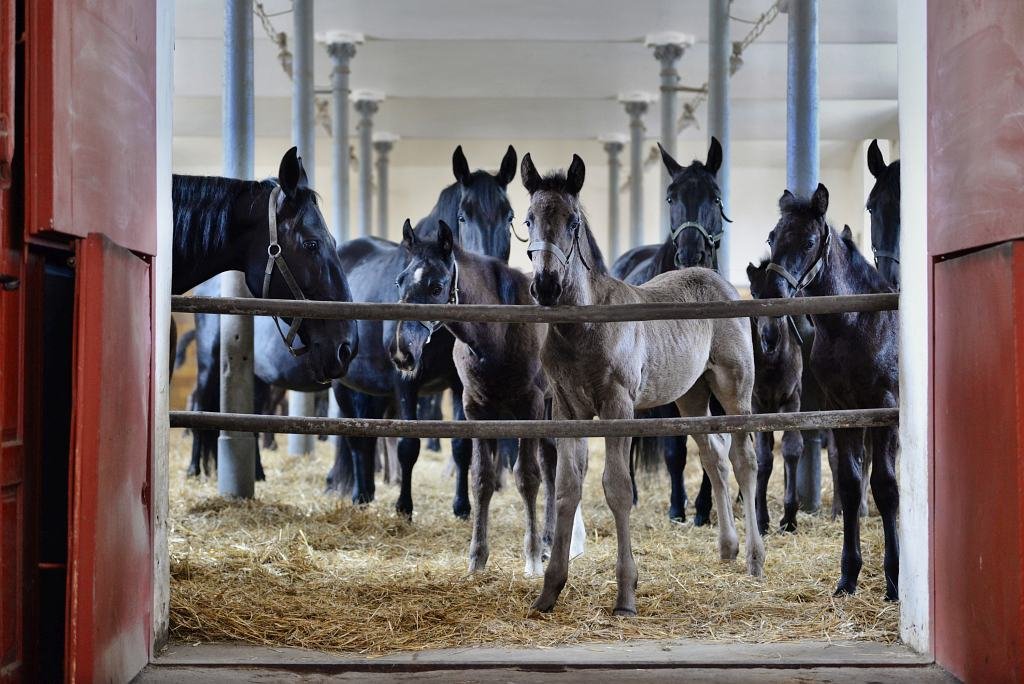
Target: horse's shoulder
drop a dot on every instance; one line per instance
(690, 284)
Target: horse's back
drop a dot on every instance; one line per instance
(694, 284)
(355, 252)
(632, 261)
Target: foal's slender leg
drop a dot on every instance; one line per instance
(548, 455)
(527, 475)
(765, 464)
(792, 448)
(618, 492)
(833, 465)
(462, 454)
(865, 469)
(712, 457)
(571, 466)
(408, 448)
(702, 504)
(850, 445)
(675, 461)
(484, 452)
(884, 445)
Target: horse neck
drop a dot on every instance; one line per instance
(479, 283)
(844, 273)
(197, 262)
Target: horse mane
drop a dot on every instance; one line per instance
(867, 276)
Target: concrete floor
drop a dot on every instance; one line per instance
(649, 661)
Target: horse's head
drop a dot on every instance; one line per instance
(485, 215)
(559, 237)
(768, 330)
(431, 277)
(800, 243)
(307, 266)
(695, 208)
(884, 206)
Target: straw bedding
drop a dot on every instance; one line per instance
(295, 567)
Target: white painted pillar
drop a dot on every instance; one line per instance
(668, 50)
(719, 51)
(382, 144)
(613, 145)
(342, 48)
(366, 104)
(636, 107)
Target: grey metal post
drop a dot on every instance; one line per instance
(304, 137)
(236, 451)
(802, 179)
(342, 48)
(382, 144)
(366, 106)
(636, 108)
(614, 148)
(668, 49)
(719, 51)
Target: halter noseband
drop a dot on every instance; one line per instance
(884, 254)
(275, 257)
(713, 241)
(453, 298)
(545, 246)
(799, 284)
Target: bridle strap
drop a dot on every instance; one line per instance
(545, 246)
(799, 284)
(885, 254)
(275, 257)
(453, 298)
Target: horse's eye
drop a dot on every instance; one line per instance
(669, 200)
(771, 238)
(462, 218)
(526, 223)
(311, 245)
(436, 290)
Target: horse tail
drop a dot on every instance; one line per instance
(648, 453)
(183, 342)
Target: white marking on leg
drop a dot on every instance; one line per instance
(579, 535)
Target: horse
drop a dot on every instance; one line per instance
(476, 206)
(274, 233)
(610, 370)
(697, 218)
(778, 365)
(854, 359)
(501, 374)
(883, 205)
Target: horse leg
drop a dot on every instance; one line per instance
(484, 451)
(792, 448)
(462, 453)
(675, 460)
(527, 475)
(865, 471)
(569, 472)
(884, 445)
(713, 459)
(833, 465)
(408, 448)
(765, 463)
(618, 494)
(850, 444)
(548, 455)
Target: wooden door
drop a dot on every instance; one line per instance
(12, 435)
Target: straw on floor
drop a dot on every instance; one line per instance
(296, 567)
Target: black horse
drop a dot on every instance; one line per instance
(777, 382)
(697, 216)
(884, 206)
(854, 358)
(477, 208)
(224, 224)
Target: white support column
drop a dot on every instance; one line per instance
(719, 51)
(304, 137)
(636, 106)
(366, 103)
(613, 145)
(342, 48)
(382, 144)
(668, 50)
(236, 451)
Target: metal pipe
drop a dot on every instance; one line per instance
(236, 451)
(383, 147)
(366, 107)
(802, 168)
(503, 429)
(668, 54)
(614, 148)
(719, 51)
(636, 108)
(502, 313)
(341, 54)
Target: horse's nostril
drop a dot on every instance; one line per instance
(345, 353)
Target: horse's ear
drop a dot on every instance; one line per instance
(847, 233)
(507, 172)
(528, 173)
(290, 175)
(714, 161)
(574, 177)
(671, 164)
(445, 239)
(460, 167)
(786, 199)
(408, 234)
(876, 163)
(751, 270)
(819, 200)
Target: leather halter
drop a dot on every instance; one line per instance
(545, 246)
(275, 257)
(713, 241)
(884, 254)
(799, 284)
(453, 298)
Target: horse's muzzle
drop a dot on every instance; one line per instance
(546, 288)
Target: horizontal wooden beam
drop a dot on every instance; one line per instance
(498, 429)
(497, 313)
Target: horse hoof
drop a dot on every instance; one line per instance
(845, 588)
(192, 472)
(461, 509)
(404, 509)
(701, 519)
(624, 612)
(675, 515)
(542, 605)
(361, 498)
(788, 526)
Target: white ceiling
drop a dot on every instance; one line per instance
(544, 68)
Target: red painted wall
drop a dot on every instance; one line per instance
(976, 218)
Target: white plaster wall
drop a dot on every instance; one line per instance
(915, 362)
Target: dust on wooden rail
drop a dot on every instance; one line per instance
(498, 429)
(497, 313)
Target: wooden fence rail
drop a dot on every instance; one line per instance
(498, 429)
(500, 313)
